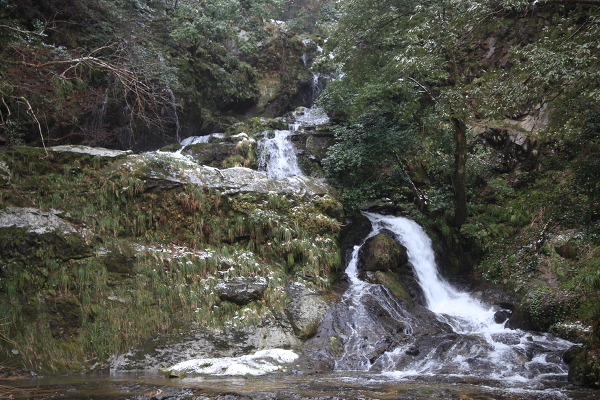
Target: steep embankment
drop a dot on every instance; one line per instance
(104, 250)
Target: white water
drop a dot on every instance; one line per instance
(466, 314)
(277, 152)
(482, 348)
(194, 139)
(278, 155)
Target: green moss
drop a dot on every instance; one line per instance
(152, 264)
(391, 280)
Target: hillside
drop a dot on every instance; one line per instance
(479, 120)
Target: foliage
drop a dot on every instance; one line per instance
(154, 259)
(366, 160)
(84, 68)
(465, 61)
(587, 167)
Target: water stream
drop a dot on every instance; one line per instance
(473, 344)
(277, 152)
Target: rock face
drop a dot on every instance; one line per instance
(31, 226)
(512, 151)
(162, 170)
(38, 222)
(273, 331)
(242, 290)
(305, 310)
(414, 329)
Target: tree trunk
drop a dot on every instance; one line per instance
(460, 176)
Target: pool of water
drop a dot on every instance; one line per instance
(147, 385)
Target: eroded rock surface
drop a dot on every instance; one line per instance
(169, 170)
(241, 289)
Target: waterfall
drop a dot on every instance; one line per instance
(175, 116)
(277, 153)
(460, 338)
(460, 310)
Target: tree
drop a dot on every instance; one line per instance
(71, 81)
(439, 47)
(420, 43)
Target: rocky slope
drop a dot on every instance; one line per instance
(104, 250)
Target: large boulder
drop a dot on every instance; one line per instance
(305, 310)
(382, 253)
(242, 290)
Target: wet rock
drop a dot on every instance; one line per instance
(212, 154)
(382, 253)
(502, 316)
(495, 294)
(383, 322)
(174, 374)
(305, 310)
(242, 290)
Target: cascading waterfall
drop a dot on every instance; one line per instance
(278, 155)
(472, 345)
(277, 152)
(458, 309)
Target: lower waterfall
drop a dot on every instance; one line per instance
(382, 334)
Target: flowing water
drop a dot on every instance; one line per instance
(474, 358)
(452, 349)
(277, 152)
(478, 348)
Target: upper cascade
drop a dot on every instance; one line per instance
(277, 152)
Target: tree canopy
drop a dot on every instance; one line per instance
(464, 63)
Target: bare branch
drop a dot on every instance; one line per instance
(40, 33)
(32, 115)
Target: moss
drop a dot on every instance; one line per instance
(152, 265)
(335, 345)
(172, 147)
(585, 368)
(392, 282)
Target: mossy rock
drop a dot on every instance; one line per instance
(382, 253)
(584, 370)
(542, 308)
(172, 148)
(392, 281)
